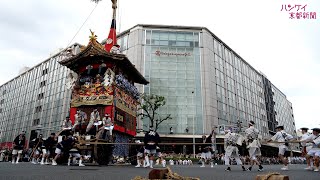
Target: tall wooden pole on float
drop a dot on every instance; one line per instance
(112, 37)
(114, 7)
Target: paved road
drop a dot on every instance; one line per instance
(28, 171)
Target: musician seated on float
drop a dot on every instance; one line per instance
(107, 127)
(66, 126)
(94, 121)
(80, 118)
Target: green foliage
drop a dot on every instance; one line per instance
(150, 104)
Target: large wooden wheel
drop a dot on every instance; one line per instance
(102, 152)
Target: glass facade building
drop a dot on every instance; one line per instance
(172, 66)
(269, 100)
(36, 100)
(284, 111)
(204, 81)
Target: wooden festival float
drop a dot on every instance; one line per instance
(104, 81)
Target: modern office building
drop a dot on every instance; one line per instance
(36, 100)
(269, 100)
(278, 108)
(204, 81)
(284, 111)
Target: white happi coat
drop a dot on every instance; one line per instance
(107, 123)
(304, 137)
(94, 116)
(231, 142)
(315, 142)
(252, 137)
(282, 136)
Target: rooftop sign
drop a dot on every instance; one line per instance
(160, 53)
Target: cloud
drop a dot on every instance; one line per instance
(285, 50)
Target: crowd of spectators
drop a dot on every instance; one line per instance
(180, 159)
(175, 159)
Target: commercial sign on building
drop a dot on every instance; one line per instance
(161, 53)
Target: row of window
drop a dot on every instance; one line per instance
(30, 76)
(35, 122)
(45, 71)
(237, 68)
(40, 96)
(38, 109)
(22, 95)
(42, 84)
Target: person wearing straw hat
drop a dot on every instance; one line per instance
(315, 150)
(282, 136)
(253, 141)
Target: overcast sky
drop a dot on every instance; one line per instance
(286, 50)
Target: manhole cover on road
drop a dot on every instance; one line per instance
(82, 169)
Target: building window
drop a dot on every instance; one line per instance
(35, 122)
(4, 92)
(44, 72)
(40, 96)
(38, 109)
(43, 83)
(0, 110)
(2, 101)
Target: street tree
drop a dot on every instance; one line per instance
(149, 106)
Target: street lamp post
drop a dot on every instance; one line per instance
(193, 138)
